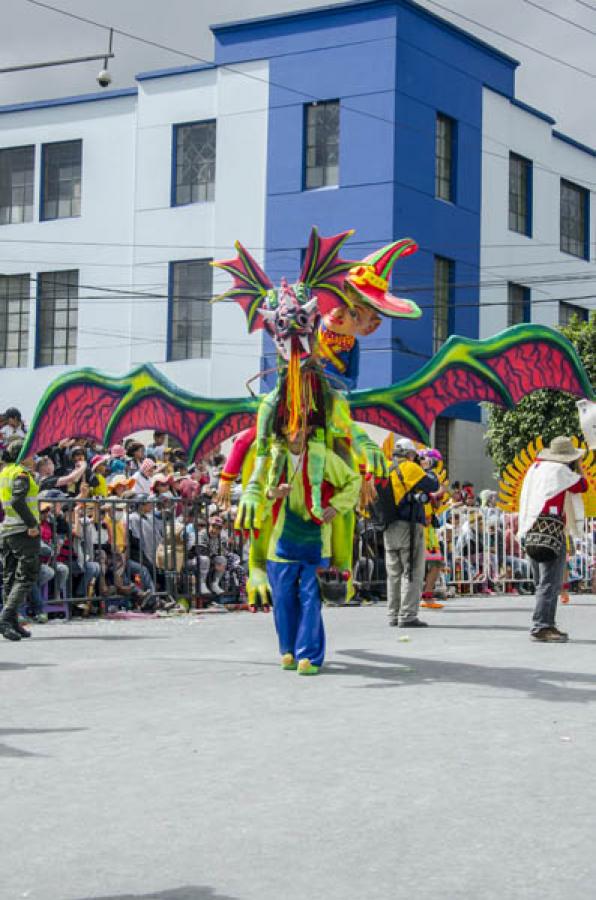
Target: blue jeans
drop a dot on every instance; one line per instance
(548, 578)
(297, 609)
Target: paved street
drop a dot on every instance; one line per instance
(173, 759)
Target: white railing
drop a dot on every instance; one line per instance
(481, 551)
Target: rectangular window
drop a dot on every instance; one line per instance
(441, 442)
(518, 304)
(14, 321)
(194, 155)
(567, 311)
(57, 318)
(443, 305)
(574, 220)
(321, 163)
(445, 158)
(16, 185)
(520, 194)
(191, 290)
(61, 180)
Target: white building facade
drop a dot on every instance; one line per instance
(117, 205)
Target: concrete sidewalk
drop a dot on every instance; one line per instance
(174, 760)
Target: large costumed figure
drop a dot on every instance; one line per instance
(302, 453)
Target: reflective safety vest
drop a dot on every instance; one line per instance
(12, 520)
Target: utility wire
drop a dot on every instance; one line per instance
(549, 12)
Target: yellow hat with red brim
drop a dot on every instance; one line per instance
(370, 279)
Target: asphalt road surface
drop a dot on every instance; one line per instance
(172, 759)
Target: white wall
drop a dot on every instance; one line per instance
(508, 256)
(128, 233)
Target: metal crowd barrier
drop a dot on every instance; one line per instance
(481, 549)
(108, 551)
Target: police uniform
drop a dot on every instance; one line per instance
(20, 551)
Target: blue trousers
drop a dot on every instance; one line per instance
(297, 609)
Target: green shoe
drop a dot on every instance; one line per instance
(305, 667)
(288, 661)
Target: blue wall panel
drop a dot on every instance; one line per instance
(399, 65)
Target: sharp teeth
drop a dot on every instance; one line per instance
(305, 343)
(288, 347)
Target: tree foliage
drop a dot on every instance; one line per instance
(546, 413)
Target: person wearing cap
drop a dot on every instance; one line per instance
(550, 488)
(19, 538)
(161, 486)
(142, 477)
(411, 483)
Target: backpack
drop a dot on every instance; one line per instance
(384, 508)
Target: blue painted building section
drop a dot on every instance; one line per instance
(393, 66)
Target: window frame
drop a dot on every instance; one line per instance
(24, 314)
(316, 104)
(570, 310)
(528, 168)
(525, 303)
(170, 357)
(441, 116)
(68, 329)
(584, 193)
(22, 147)
(174, 174)
(437, 343)
(43, 182)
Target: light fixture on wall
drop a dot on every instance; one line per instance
(104, 79)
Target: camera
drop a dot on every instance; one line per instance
(104, 79)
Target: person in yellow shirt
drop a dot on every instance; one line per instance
(411, 482)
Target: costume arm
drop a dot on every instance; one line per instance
(345, 480)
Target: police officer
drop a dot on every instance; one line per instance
(404, 537)
(19, 538)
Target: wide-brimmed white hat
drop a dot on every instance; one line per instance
(561, 450)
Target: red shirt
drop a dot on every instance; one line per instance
(554, 506)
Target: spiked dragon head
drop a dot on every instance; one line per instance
(291, 312)
(291, 316)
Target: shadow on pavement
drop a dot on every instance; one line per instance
(190, 892)
(101, 637)
(6, 751)
(7, 666)
(395, 671)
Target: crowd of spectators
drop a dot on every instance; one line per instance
(130, 526)
(134, 526)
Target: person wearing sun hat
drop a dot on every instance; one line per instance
(99, 469)
(550, 488)
(369, 298)
(120, 484)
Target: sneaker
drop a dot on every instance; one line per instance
(432, 604)
(393, 623)
(41, 619)
(565, 598)
(548, 636)
(7, 631)
(413, 623)
(305, 667)
(20, 630)
(562, 634)
(288, 662)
